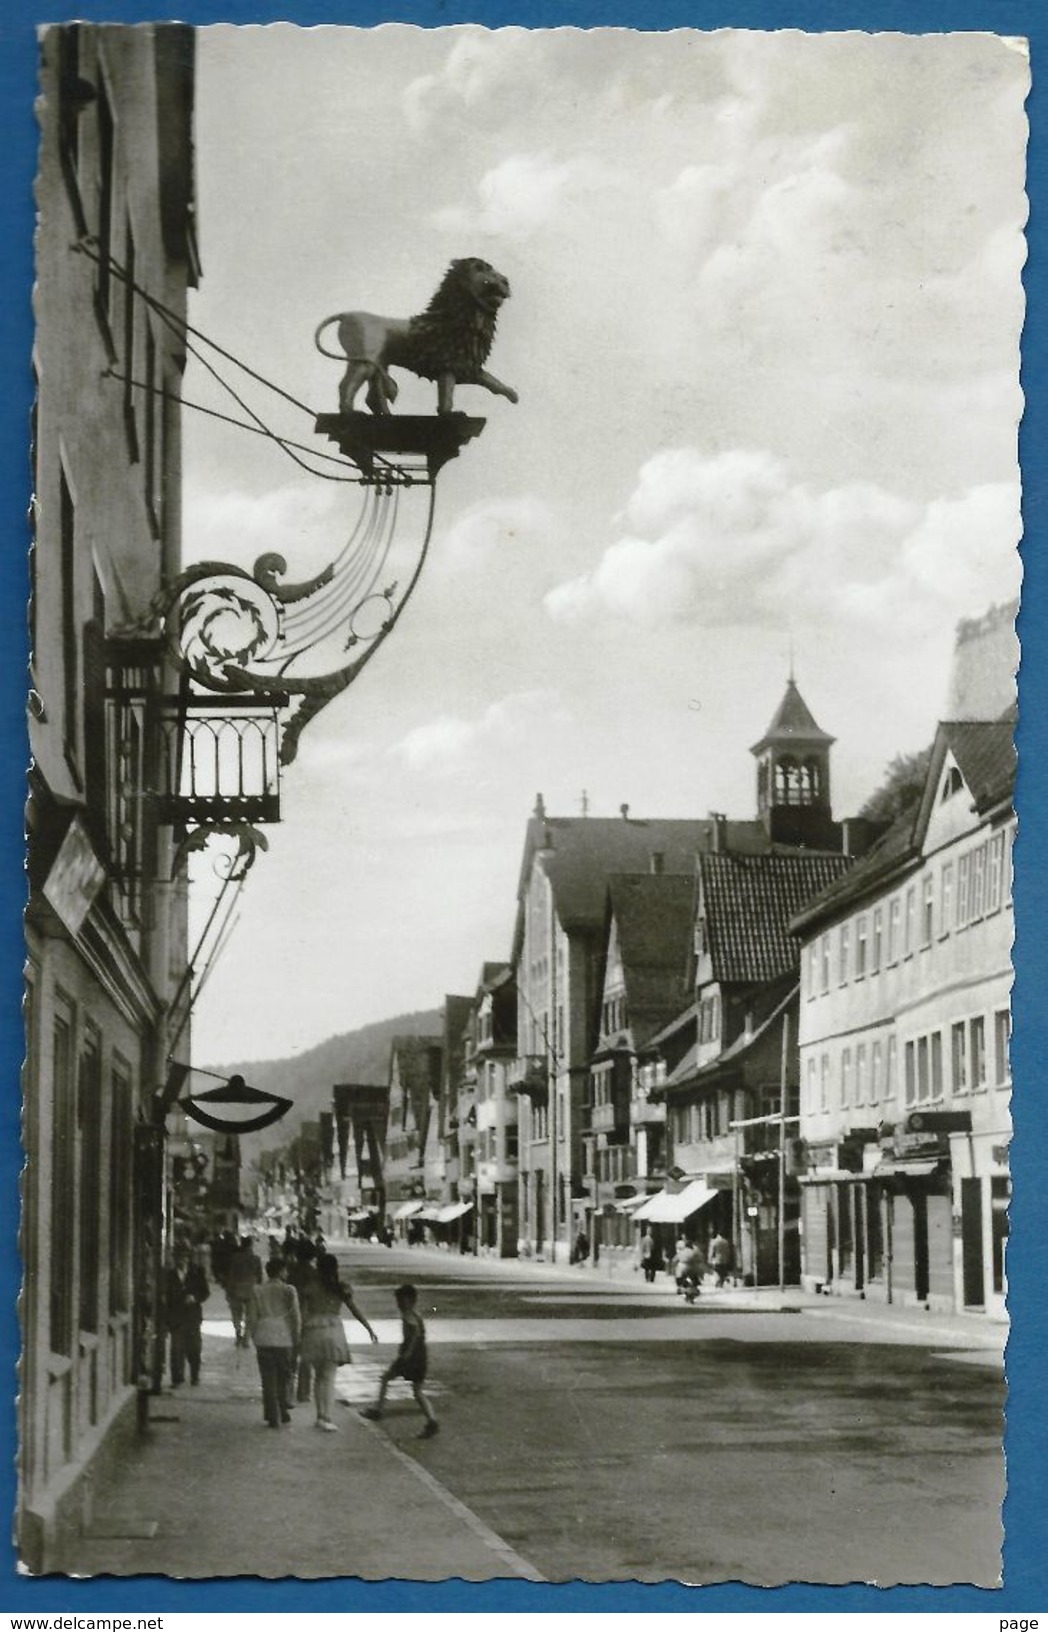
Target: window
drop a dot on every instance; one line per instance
(977, 1051)
(63, 1184)
(70, 651)
(89, 1117)
(846, 1077)
(952, 783)
(154, 432)
(977, 887)
(894, 921)
(911, 919)
(129, 361)
(924, 1069)
(891, 1067)
(860, 946)
(959, 1058)
(824, 946)
(812, 965)
(860, 1073)
(877, 940)
(812, 1085)
(936, 1064)
(106, 189)
(963, 873)
(995, 873)
(824, 1083)
(910, 1060)
(842, 955)
(946, 898)
(1002, 1032)
(876, 1067)
(927, 909)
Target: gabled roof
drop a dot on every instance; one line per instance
(689, 1074)
(748, 903)
(892, 854)
(985, 755)
(793, 722)
(653, 914)
(581, 852)
(419, 1066)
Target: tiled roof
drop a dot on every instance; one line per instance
(654, 914)
(581, 852)
(985, 752)
(793, 722)
(884, 858)
(748, 903)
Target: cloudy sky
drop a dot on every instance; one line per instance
(764, 326)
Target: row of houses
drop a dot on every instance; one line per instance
(786, 1029)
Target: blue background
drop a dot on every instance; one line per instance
(1026, 1571)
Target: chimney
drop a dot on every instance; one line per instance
(540, 807)
(624, 812)
(720, 831)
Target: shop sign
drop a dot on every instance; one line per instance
(75, 878)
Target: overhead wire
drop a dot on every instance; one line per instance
(182, 328)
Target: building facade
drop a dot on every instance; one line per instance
(904, 1032)
(558, 948)
(645, 971)
(106, 920)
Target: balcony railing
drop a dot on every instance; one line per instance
(646, 1112)
(220, 759)
(528, 1075)
(606, 1118)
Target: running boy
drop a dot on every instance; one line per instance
(410, 1363)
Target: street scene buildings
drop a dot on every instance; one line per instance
(677, 1069)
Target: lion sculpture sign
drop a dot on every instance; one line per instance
(449, 342)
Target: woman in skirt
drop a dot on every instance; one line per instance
(324, 1346)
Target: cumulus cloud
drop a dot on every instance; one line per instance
(440, 745)
(488, 533)
(736, 538)
(523, 194)
(304, 522)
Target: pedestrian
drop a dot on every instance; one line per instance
(719, 1256)
(242, 1276)
(324, 1346)
(301, 1272)
(185, 1293)
(688, 1270)
(411, 1362)
(648, 1254)
(580, 1249)
(275, 1326)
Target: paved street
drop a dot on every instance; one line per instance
(593, 1427)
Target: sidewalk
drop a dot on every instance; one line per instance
(211, 1491)
(618, 1277)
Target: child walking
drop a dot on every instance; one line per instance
(410, 1363)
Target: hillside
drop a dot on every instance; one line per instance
(354, 1056)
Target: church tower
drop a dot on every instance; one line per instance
(793, 777)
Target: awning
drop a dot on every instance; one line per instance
(429, 1215)
(455, 1209)
(907, 1170)
(673, 1207)
(408, 1209)
(359, 1216)
(631, 1203)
